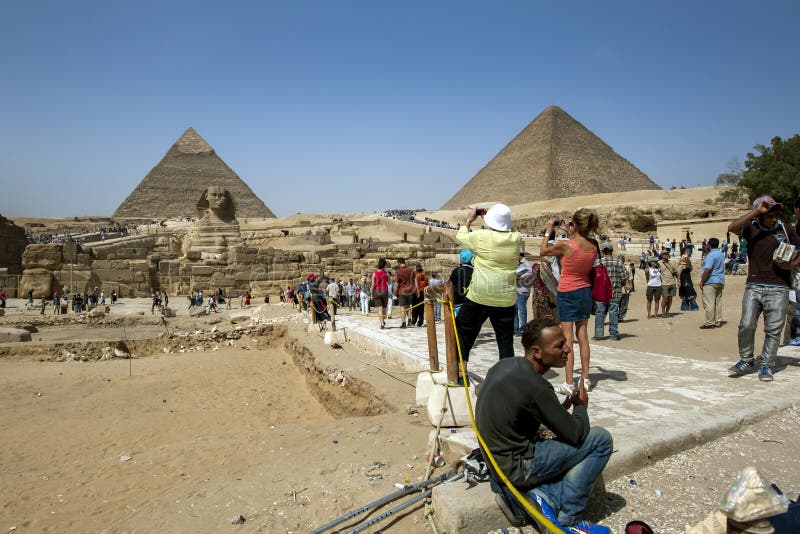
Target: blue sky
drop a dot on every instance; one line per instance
(326, 106)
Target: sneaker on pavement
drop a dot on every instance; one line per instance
(585, 527)
(541, 505)
(765, 373)
(743, 367)
(794, 342)
(565, 389)
(587, 384)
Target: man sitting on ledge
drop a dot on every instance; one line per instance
(514, 401)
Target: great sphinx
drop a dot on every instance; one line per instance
(216, 229)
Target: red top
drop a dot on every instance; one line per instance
(575, 269)
(380, 281)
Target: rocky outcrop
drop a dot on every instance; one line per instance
(12, 245)
(555, 156)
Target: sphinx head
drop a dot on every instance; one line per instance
(217, 202)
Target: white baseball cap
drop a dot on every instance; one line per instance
(498, 217)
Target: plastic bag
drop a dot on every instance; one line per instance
(750, 498)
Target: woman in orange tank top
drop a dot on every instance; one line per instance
(578, 255)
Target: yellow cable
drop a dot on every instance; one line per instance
(522, 500)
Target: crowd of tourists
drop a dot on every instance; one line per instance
(63, 302)
(70, 234)
(579, 275)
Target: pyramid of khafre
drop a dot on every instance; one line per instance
(172, 187)
(555, 156)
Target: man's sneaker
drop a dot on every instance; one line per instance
(765, 373)
(585, 527)
(794, 342)
(743, 367)
(565, 389)
(541, 505)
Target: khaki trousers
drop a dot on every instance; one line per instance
(712, 303)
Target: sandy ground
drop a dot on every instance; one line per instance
(212, 435)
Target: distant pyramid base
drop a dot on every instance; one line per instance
(555, 156)
(172, 187)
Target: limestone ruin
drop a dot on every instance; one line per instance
(555, 156)
(170, 189)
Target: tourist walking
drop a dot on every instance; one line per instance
(420, 282)
(669, 283)
(351, 295)
(492, 293)
(619, 276)
(524, 280)
(686, 291)
(712, 282)
(364, 294)
(653, 276)
(577, 255)
(767, 287)
(404, 288)
(380, 291)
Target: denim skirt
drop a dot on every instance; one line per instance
(575, 305)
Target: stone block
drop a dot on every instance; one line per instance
(193, 255)
(49, 257)
(14, 335)
(41, 281)
(115, 275)
(84, 260)
(425, 383)
(335, 338)
(96, 313)
(460, 508)
(169, 312)
(455, 404)
(25, 326)
(199, 270)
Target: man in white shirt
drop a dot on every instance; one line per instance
(333, 293)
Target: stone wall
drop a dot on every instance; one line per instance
(12, 245)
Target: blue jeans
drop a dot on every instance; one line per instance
(612, 308)
(771, 300)
(565, 473)
(521, 317)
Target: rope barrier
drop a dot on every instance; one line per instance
(546, 523)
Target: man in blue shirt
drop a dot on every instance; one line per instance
(712, 282)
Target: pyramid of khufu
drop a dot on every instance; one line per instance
(172, 187)
(555, 156)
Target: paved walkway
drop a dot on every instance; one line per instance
(632, 388)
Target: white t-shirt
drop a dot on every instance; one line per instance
(333, 290)
(654, 277)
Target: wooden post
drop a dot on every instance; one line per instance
(430, 323)
(332, 313)
(450, 336)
